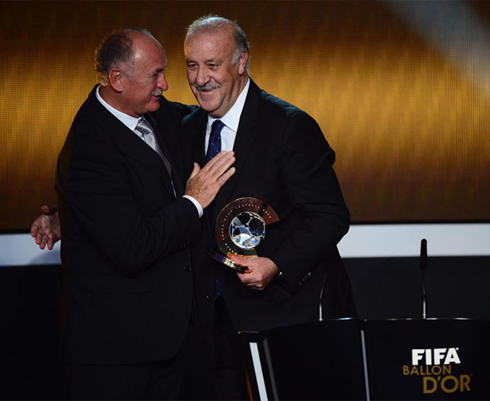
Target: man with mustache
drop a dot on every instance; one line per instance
(283, 159)
(127, 217)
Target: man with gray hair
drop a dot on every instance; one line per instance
(127, 216)
(283, 159)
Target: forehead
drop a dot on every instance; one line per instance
(210, 44)
(149, 53)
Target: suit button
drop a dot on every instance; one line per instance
(208, 298)
(187, 268)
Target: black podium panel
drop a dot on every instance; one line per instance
(429, 359)
(314, 361)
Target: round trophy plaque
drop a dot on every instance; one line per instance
(240, 228)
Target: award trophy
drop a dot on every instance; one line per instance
(240, 228)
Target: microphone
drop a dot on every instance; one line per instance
(423, 269)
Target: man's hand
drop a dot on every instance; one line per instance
(261, 272)
(204, 183)
(46, 228)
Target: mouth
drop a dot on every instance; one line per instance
(157, 93)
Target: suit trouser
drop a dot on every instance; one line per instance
(214, 371)
(159, 380)
(229, 371)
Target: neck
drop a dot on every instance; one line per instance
(113, 98)
(241, 85)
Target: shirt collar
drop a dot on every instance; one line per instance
(126, 119)
(232, 117)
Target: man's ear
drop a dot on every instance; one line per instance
(116, 78)
(242, 62)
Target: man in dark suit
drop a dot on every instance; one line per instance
(127, 217)
(283, 159)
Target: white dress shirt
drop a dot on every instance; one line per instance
(231, 120)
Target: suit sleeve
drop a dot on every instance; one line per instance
(101, 195)
(315, 194)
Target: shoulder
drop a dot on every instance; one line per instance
(297, 127)
(277, 105)
(270, 106)
(93, 131)
(278, 110)
(194, 118)
(88, 120)
(177, 110)
(93, 120)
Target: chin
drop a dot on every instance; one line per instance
(153, 107)
(206, 105)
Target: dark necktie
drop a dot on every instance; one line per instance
(214, 145)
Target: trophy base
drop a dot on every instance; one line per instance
(227, 262)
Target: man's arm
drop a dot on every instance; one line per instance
(307, 174)
(46, 228)
(119, 207)
(203, 185)
(314, 190)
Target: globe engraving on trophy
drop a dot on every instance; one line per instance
(247, 230)
(240, 228)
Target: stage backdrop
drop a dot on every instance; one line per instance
(401, 90)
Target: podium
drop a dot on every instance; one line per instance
(313, 361)
(349, 359)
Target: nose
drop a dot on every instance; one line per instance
(162, 82)
(201, 76)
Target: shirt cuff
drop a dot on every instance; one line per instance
(196, 204)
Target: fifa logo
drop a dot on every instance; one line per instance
(436, 356)
(435, 366)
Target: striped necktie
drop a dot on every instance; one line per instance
(145, 131)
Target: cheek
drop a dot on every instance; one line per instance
(224, 79)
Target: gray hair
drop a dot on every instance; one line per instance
(213, 23)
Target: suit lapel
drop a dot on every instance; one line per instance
(129, 143)
(199, 138)
(246, 136)
(164, 132)
(197, 133)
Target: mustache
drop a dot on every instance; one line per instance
(208, 87)
(157, 92)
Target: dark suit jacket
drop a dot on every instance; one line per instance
(125, 239)
(282, 158)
